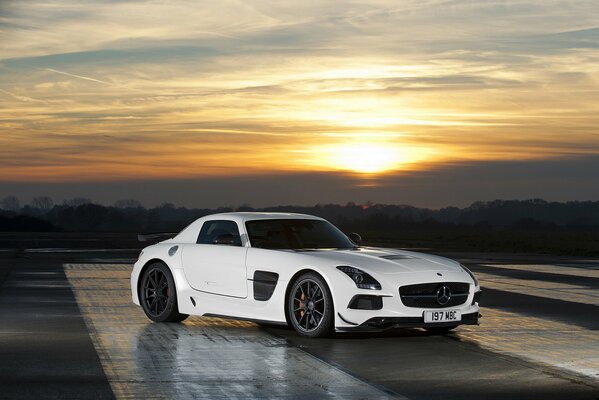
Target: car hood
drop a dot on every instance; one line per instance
(385, 261)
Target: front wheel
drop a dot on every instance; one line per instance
(158, 296)
(310, 306)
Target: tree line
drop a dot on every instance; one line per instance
(128, 215)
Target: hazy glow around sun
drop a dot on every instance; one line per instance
(365, 157)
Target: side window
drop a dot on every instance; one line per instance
(211, 230)
(267, 234)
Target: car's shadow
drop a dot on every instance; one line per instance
(290, 333)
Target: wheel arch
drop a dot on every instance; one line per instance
(294, 278)
(143, 269)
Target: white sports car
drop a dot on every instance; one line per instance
(300, 270)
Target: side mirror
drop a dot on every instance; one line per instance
(354, 237)
(225, 238)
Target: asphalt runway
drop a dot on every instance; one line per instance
(68, 330)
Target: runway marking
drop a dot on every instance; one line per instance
(591, 272)
(201, 358)
(548, 342)
(565, 346)
(550, 290)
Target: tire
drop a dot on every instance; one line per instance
(314, 317)
(158, 295)
(440, 330)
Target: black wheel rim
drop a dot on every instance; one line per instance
(156, 292)
(308, 305)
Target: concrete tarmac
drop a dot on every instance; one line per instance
(77, 335)
(45, 348)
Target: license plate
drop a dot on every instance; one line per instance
(442, 316)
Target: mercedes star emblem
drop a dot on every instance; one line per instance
(443, 295)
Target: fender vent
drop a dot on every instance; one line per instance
(264, 284)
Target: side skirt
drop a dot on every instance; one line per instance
(264, 321)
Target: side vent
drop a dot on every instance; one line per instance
(264, 284)
(192, 301)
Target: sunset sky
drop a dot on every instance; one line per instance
(430, 103)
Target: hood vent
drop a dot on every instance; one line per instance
(396, 257)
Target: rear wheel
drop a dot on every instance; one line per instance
(310, 306)
(158, 296)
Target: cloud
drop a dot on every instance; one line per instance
(22, 98)
(239, 88)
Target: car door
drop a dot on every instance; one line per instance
(216, 263)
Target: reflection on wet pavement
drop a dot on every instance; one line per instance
(542, 340)
(200, 358)
(537, 339)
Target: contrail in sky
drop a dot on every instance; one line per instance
(79, 76)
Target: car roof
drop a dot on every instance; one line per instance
(250, 216)
(190, 234)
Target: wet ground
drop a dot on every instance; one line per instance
(69, 330)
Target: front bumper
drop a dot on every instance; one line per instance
(384, 323)
(393, 313)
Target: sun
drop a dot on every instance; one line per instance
(363, 157)
(366, 158)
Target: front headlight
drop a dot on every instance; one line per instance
(360, 278)
(470, 273)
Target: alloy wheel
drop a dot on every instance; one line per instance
(308, 305)
(156, 292)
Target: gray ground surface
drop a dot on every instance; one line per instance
(79, 337)
(45, 348)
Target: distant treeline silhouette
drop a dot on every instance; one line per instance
(81, 215)
(531, 226)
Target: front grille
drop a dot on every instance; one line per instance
(424, 295)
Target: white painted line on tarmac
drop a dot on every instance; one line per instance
(591, 272)
(545, 289)
(205, 358)
(552, 343)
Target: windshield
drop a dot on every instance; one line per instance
(296, 234)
